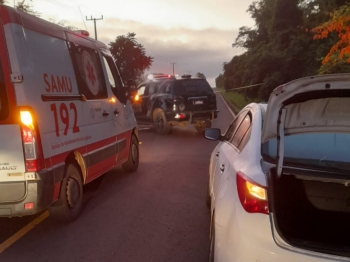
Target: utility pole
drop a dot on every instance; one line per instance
(94, 23)
(173, 67)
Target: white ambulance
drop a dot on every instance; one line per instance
(65, 118)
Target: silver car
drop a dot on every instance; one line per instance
(279, 177)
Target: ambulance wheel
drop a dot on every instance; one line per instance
(67, 208)
(160, 123)
(133, 161)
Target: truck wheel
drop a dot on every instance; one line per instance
(133, 161)
(160, 123)
(67, 208)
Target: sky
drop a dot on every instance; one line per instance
(188, 36)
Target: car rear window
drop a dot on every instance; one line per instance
(4, 105)
(192, 86)
(321, 150)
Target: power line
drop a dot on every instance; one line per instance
(82, 17)
(238, 88)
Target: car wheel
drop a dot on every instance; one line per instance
(212, 243)
(68, 206)
(133, 161)
(160, 123)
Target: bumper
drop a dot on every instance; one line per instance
(38, 191)
(192, 116)
(247, 237)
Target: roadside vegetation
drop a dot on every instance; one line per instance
(236, 99)
(291, 39)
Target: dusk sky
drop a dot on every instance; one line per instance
(195, 34)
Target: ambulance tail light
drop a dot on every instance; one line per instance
(31, 142)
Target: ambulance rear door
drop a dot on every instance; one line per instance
(12, 164)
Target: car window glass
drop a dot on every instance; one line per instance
(191, 86)
(152, 88)
(141, 90)
(88, 71)
(114, 78)
(165, 87)
(109, 73)
(242, 135)
(158, 86)
(232, 128)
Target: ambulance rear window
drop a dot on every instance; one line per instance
(4, 105)
(88, 70)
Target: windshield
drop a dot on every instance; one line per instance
(320, 150)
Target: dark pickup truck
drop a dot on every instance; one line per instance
(170, 101)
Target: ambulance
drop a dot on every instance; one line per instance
(65, 116)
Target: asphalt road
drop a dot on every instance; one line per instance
(157, 214)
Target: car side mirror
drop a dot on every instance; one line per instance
(213, 134)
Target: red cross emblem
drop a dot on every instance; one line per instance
(91, 72)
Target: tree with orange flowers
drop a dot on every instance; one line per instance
(339, 24)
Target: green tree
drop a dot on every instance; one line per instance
(64, 23)
(219, 81)
(130, 57)
(280, 47)
(201, 75)
(25, 7)
(338, 29)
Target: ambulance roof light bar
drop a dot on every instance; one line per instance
(82, 32)
(155, 76)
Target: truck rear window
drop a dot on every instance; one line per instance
(193, 86)
(4, 105)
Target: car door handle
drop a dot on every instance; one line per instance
(116, 112)
(217, 154)
(222, 168)
(105, 113)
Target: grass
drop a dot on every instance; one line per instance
(235, 99)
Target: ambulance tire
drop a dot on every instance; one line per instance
(160, 123)
(133, 161)
(68, 206)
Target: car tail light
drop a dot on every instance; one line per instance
(253, 197)
(31, 143)
(180, 116)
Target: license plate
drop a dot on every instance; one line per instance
(198, 102)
